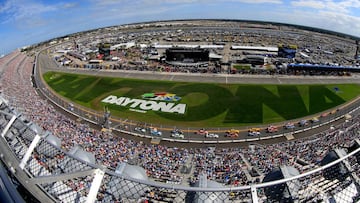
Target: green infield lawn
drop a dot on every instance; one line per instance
(207, 105)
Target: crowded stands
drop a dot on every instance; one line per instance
(230, 166)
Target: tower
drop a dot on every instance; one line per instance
(357, 50)
(106, 123)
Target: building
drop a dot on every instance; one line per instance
(287, 51)
(252, 59)
(104, 50)
(357, 56)
(187, 55)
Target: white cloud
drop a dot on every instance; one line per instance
(110, 2)
(259, 1)
(127, 2)
(136, 10)
(16, 10)
(213, 1)
(310, 4)
(329, 20)
(342, 22)
(69, 5)
(342, 6)
(5, 6)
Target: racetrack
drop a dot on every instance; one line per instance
(47, 64)
(209, 78)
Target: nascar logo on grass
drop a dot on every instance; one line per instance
(151, 103)
(161, 96)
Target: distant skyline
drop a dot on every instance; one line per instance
(25, 22)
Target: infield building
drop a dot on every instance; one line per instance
(185, 56)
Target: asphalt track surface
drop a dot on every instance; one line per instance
(45, 64)
(211, 78)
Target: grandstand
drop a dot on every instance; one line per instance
(321, 68)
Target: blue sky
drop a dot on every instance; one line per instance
(24, 22)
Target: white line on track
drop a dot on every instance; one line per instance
(172, 77)
(321, 81)
(278, 79)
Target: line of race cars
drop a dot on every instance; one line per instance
(231, 133)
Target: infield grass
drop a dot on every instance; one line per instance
(208, 105)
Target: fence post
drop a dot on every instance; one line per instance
(95, 186)
(29, 151)
(254, 196)
(6, 129)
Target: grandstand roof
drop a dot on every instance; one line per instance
(212, 46)
(82, 155)
(256, 48)
(126, 45)
(205, 46)
(53, 140)
(215, 56)
(131, 171)
(162, 46)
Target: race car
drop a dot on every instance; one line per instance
(315, 120)
(202, 131)
(254, 133)
(254, 130)
(303, 123)
(232, 133)
(271, 129)
(155, 132)
(140, 130)
(324, 115)
(289, 125)
(212, 135)
(176, 131)
(178, 134)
